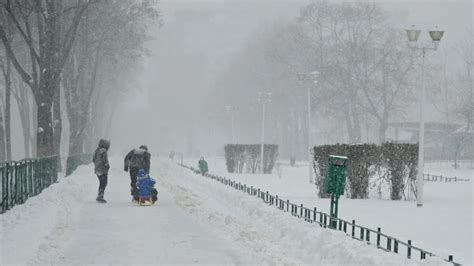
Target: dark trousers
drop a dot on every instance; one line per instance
(102, 183)
(133, 180)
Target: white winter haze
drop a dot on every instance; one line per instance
(184, 82)
(196, 42)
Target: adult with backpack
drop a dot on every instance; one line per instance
(135, 160)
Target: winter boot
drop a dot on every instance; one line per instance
(100, 197)
(154, 196)
(135, 198)
(134, 191)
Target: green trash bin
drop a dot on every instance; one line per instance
(335, 182)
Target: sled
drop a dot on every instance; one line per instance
(144, 201)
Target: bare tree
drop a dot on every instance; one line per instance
(3, 154)
(109, 42)
(25, 103)
(48, 29)
(365, 74)
(463, 109)
(5, 66)
(6, 69)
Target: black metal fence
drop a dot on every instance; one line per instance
(440, 178)
(24, 179)
(312, 215)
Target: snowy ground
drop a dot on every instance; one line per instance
(443, 226)
(65, 225)
(196, 221)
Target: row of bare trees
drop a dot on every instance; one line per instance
(453, 95)
(73, 56)
(368, 74)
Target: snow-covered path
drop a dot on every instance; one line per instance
(120, 232)
(74, 229)
(196, 221)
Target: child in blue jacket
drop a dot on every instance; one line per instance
(146, 187)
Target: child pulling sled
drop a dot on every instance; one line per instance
(147, 193)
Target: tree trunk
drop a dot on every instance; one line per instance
(34, 124)
(353, 127)
(3, 156)
(76, 137)
(23, 102)
(382, 131)
(26, 139)
(57, 124)
(89, 138)
(44, 134)
(25, 116)
(111, 117)
(356, 136)
(8, 90)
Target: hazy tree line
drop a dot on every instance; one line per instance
(368, 77)
(453, 93)
(72, 56)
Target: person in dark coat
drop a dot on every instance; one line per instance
(135, 160)
(101, 167)
(203, 168)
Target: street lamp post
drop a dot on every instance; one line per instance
(314, 77)
(230, 110)
(436, 36)
(264, 98)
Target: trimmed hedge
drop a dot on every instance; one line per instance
(247, 156)
(395, 162)
(402, 162)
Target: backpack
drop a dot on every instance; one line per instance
(138, 158)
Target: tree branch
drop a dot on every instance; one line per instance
(28, 41)
(71, 34)
(24, 75)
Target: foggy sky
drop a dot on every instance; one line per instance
(196, 41)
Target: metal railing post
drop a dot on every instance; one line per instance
(378, 236)
(409, 249)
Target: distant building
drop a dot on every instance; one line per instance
(443, 141)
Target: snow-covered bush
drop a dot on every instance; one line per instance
(401, 161)
(232, 155)
(362, 159)
(247, 156)
(394, 163)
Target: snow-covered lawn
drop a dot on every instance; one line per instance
(196, 221)
(443, 226)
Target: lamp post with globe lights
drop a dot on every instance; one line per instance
(313, 76)
(264, 98)
(413, 34)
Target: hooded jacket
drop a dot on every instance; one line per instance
(145, 185)
(138, 159)
(100, 160)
